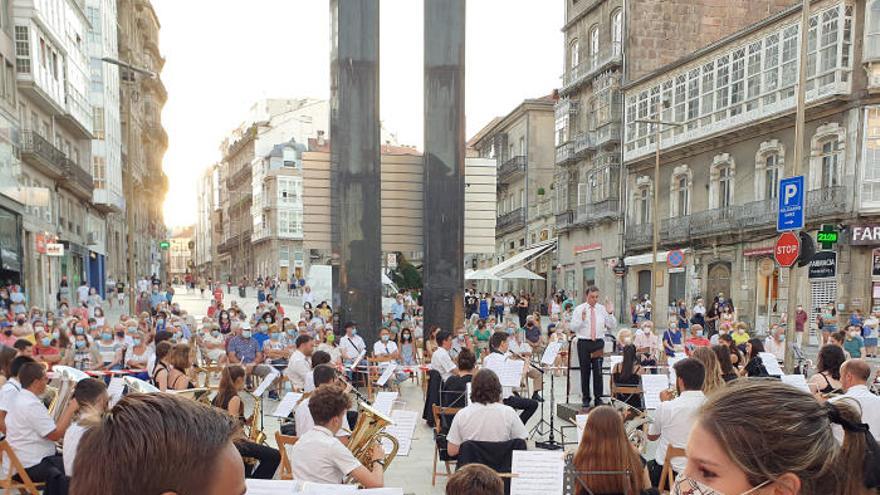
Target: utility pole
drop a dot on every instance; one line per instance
(799, 123)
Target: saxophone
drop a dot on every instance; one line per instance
(367, 432)
(254, 433)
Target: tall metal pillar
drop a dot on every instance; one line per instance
(444, 164)
(355, 164)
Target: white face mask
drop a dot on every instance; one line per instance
(688, 486)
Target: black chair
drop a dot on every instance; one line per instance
(496, 455)
(432, 396)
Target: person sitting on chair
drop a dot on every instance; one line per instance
(323, 373)
(319, 457)
(498, 347)
(486, 419)
(453, 392)
(91, 397)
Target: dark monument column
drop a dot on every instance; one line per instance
(355, 164)
(444, 164)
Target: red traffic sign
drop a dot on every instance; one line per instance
(675, 258)
(788, 246)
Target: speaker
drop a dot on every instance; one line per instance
(808, 249)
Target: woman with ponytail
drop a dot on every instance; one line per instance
(766, 437)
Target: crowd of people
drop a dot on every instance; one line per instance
(726, 427)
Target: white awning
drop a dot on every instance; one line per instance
(645, 259)
(480, 275)
(521, 259)
(522, 273)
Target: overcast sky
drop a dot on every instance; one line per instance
(223, 55)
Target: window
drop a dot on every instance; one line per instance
(22, 50)
(42, 52)
(871, 178)
(721, 181)
(594, 46)
(55, 65)
(522, 146)
(830, 161)
(680, 192)
(573, 55)
(99, 172)
(582, 194)
(562, 124)
(725, 177)
(643, 201)
(98, 122)
(771, 174)
(616, 32)
(872, 31)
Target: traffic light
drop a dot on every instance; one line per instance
(808, 249)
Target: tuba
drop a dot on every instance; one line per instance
(63, 392)
(367, 432)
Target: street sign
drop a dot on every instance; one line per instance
(675, 258)
(54, 249)
(619, 268)
(823, 265)
(827, 237)
(791, 204)
(787, 248)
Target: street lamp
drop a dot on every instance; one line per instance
(662, 104)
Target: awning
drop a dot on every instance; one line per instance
(521, 259)
(480, 275)
(523, 273)
(645, 259)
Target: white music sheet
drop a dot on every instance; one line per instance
(403, 428)
(770, 362)
(581, 421)
(267, 381)
(384, 402)
(671, 362)
(269, 487)
(467, 396)
(388, 371)
(615, 359)
(357, 360)
(652, 385)
(796, 381)
(310, 488)
(115, 389)
(509, 372)
(551, 352)
(288, 402)
(537, 472)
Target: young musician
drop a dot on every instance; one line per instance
(232, 381)
(475, 479)
(454, 390)
(91, 396)
(32, 433)
(605, 447)
(590, 321)
(323, 374)
(11, 388)
(198, 456)
(440, 359)
(486, 419)
(498, 345)
(319, 457)
(299, 365)
(318, 358)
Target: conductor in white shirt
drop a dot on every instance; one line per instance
(590, 323)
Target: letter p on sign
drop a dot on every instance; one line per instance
(791, 191)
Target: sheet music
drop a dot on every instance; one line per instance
(310, 488)
(509, 372)
(115, 389)
(537, 472)
(551, 352)
(652, 385)
(467, 396)
(403, 428)
(581, 422)
(671, 362)
(358, 360)
(615, 359)
(287, 404)
(796, 381)
(384, 402)
(770, 362)
(386, 374)
(381, 491)
(267, 381)
(268, 487)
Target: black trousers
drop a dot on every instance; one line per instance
(584, 348)
(51, 471)
(654, 472)
(267, 457)
(527, 406)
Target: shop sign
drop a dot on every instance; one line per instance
(587, 247)
(761, 251)
(875, 257)
(823, 265)
(54, 249)
(865, 235)
(40, 243)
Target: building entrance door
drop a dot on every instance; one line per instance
(718, 281)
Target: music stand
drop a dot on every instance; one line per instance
(570, 487)
(551, 443)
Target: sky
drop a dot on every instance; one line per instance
(222, 57)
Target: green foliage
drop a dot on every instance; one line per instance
(406, 275)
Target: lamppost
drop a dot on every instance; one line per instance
(662, 104)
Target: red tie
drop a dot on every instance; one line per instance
(593, 322)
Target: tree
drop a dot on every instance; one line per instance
(406, 275)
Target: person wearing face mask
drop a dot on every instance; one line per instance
(109, 350)
(775, 342)
(261, 335)
(854, 344)
(139, 356)
(798, 454)
(243, 348)
(755, 365)
(22, 328)
(7, 338)
(275, 348)
(47, 350)
(331, 347)
(461, 341)
(675, 416)
(696, 340)
(351, 344)
(212, 343)
(408, 353)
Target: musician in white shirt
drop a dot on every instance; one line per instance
(590, 322)
(351, 344)
(499, 347)
(323, 373)
(854, 375)
(91, 396)
(440, 359)
(299, 366)
(32, 433)
(11, 388)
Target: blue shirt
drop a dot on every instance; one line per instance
(260, 338)
(397, 310)
(673, 338)
(155, 299)
(245, 349)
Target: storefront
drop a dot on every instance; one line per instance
(11, 252)
(865, 240)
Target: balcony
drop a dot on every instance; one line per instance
(565, 154)
(716, 221)
(241, 177)
(510, 222)
(107, 201)
(77, 115)
(38, 152)
(567, 106)
(234, 242)
(827, 202)
(512, 168)
(594, 213)
(584, 142)
(607, 134)
(606, 59)
(155, 130)
(79, 181)
(564, 220)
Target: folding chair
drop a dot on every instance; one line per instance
(24, 484)
(667, 476)
(283, 442)
(440, 435)
(627, 391)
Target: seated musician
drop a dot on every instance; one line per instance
(498, 345)
(180, 360)
(319, 457)
(232, 380)
(486, 419)
(453, 392)
(11, 388)
(32, 433)
(197, 457)
(318, 358)
(91, 397)
(440, 359)
(323, 373)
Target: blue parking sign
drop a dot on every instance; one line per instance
(791, 204)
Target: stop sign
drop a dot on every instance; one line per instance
(788, 246)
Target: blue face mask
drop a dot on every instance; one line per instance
(384, 338)
(137, 341)
(276, 335)
(354, 331)
(246, 334)
(46, 341)
(79, 330)
(215, 333)
(160, 322)
(782, 338)
(699, 333)
(80, 344)
(291, 332)
(106, 336)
